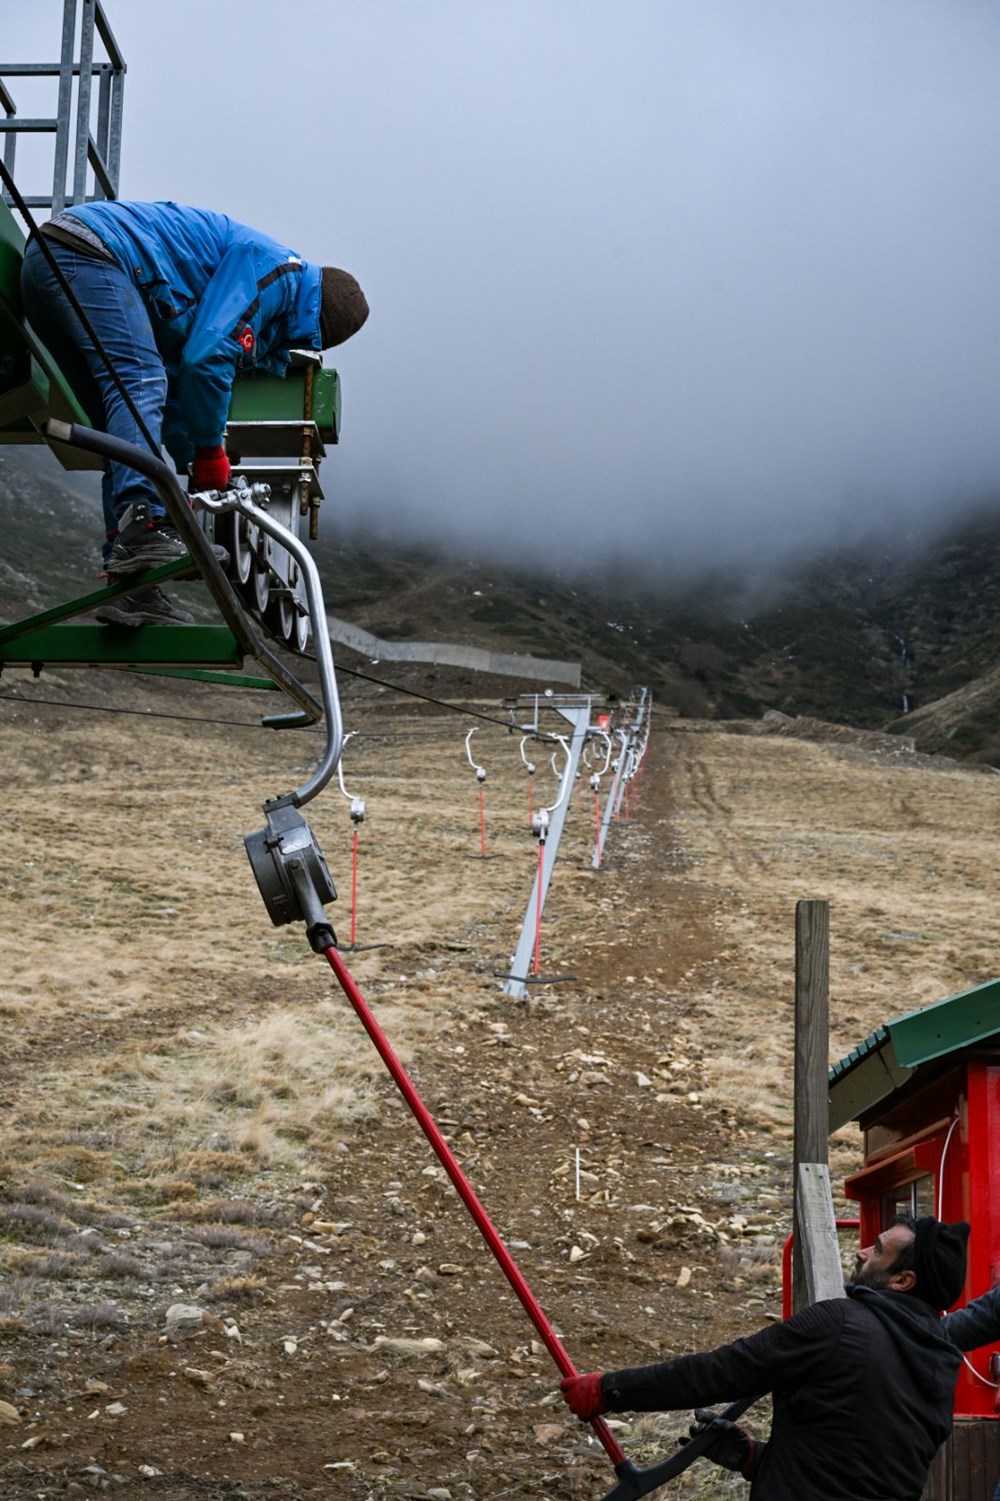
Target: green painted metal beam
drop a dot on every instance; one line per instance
(84, 602)
(271, 398)
(103, 646)
(227, 679)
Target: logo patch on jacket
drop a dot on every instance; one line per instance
(246, 341)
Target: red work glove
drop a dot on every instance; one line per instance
(210, 470)
(582, 1394)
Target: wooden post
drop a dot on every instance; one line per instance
(815, 1263)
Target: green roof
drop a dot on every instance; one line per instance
(888, 1057)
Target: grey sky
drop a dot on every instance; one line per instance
(695, 278)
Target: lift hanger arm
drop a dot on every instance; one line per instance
(179, 510)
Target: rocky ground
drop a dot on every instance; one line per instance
(231, 1265)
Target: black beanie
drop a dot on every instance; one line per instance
(939, 1261)
(343, 308)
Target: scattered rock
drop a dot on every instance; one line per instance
(185, 1320)
(546, 1432)
(432, 1388)
(426, 1346)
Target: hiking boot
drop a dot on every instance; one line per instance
(146, 541)
(145, 607)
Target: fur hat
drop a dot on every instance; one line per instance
(939, 1261)
(343, 308)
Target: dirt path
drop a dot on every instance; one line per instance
(193, 1115)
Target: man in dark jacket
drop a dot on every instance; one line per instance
(180, 299)
(862, 1386)
(978, 1323)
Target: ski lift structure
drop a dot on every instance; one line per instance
(529, 767)
(595, 787)
(633, 739)
(547, 824)
(359, 812)
(87, 152)
(480, 772)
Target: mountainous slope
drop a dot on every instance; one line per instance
(866, 637)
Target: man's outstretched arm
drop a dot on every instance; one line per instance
(978, 1323)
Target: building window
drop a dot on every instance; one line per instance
(916, 1198)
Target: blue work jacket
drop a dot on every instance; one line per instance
(221, 297)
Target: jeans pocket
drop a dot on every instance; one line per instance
(38, 266)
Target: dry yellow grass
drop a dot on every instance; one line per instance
(133, 934)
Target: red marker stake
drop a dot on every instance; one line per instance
(354, 885)
(538, 906)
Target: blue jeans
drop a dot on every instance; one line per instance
(120, 321)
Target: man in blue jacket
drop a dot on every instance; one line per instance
(180, 300)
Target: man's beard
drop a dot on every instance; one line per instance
(869, 1276)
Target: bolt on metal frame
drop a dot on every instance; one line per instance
(100, 152)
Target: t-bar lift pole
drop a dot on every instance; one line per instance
(516, 982)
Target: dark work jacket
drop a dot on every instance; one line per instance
(978, 1323)
(862, 1387)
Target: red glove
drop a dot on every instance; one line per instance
(582, 1394)
(210, 470)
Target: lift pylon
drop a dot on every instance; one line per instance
(576, 711)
